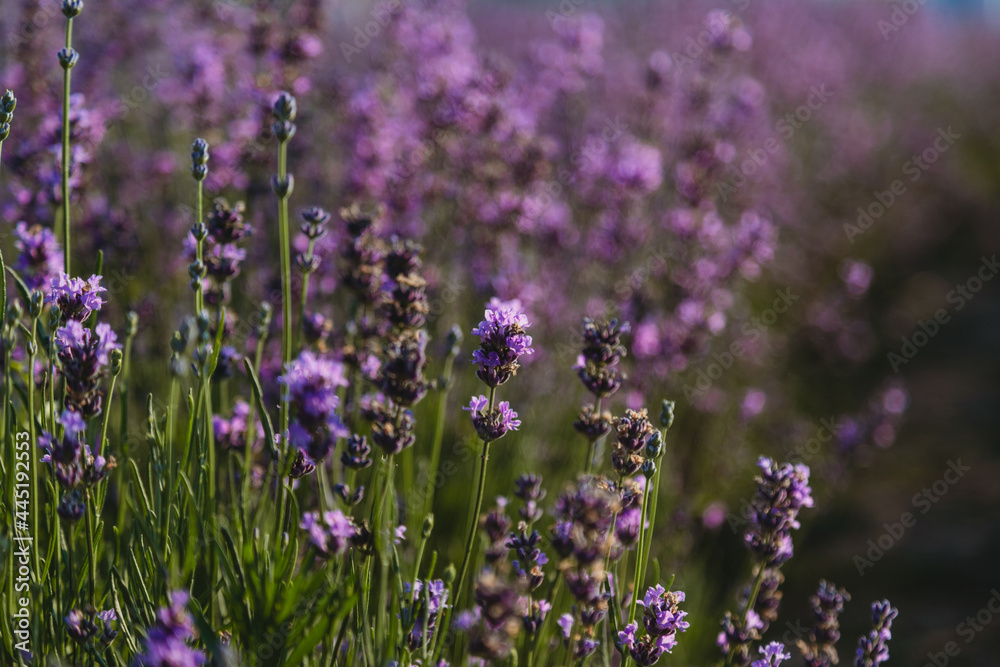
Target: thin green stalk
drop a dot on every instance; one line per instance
(67, 76)
(442, 413)
(199, 293)
(35, 501)
(285, 113)
(470, 539)
(592, 450)
(751, 601)
(643, 534)
(91, 553)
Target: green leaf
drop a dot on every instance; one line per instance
(259, 397)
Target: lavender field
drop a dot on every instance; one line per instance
(428, 332)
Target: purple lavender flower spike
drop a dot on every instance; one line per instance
(84, 356)
(873, 649)
(331, 533)
(77, 298)
(166, 643)
(772, 655)
(492, 425)
(310, 384)
(782, 490)
(503, 342)
(827, 603)
(41, 258)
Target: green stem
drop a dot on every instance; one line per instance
(91, 554)
(67, 75)
(286, 323)
(438, 433)
(34, 506)
(592, 450)
(470, 539)
(643, 534)
(199, 293)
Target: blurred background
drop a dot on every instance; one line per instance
(817, 183)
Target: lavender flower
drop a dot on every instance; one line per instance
(232, 433)
(493, 425)
(76, 298)
(166, 643)
(773, 655)
(428, 600)
(331, 533)
(357, 454)
(662, 616)
(310, 385)
(503, 342)
(530, 491)
(41, 259)
(84, 357)
(782, 490)
(602, 350)
(820, 649)
(873, 649)
(645, 650)
(736, 636)
(80, 626)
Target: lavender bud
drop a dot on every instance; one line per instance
(131, 323)
(285, 107)
(35, 305)
(283, 130)
(7, 104)
(14, 313)
(178, 342)
(199, 231)
(283, 187)
(449, 574)
(667, 414)
(454, 340)
(116, 361)
(55, 318)
(68, 58)
(654, 446)
(648, 468)
(72, 8)
(315, 216)
(4, 131)
(428, 526)
(199, 160)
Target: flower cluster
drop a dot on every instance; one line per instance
(782, 490)
(492, 424)
(502, 342)
(76, 298)
(819, 649)
(167, 642)
(873, 649)
(633, 432)
(331, 533)
(81, 626)
(232, 433)
(84, 358)
(221, 255)
(40, 258)
(662, 620)
(427, 601)
(310, 385)
(772, 655)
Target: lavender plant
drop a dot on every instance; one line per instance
(269, 508)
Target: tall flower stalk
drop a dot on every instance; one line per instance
(503, 342)
(282, 183)
(68, 58)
